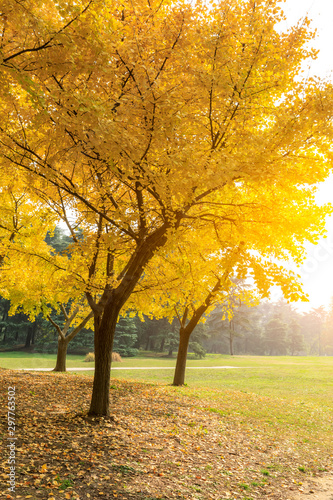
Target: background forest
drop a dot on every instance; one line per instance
(262, 329)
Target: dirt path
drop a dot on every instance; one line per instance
(317, 488)
(81, 369)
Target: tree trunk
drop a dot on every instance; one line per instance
(106, 319)
(231, 339)
(63, 339)
(231, 345)
(28, 337)
(103, 341)
(185, 333)
(184, 339)
(162, 344)
(5, 318)
(61, 354)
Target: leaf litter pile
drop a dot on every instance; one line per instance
(158, 444)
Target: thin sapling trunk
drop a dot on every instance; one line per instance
(64, 337)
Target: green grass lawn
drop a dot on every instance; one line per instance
(278, 394)
(282, 397)
(18, 360)
(293, 377)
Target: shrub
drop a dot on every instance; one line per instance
(198, 350)
(116, 357)
(91, 357)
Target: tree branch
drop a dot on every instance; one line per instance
(57, 327)
(47, 44)
(80, 326)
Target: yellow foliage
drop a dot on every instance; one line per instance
(152, 125)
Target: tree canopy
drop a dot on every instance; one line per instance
(136, 122)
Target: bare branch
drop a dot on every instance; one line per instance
(57, 327)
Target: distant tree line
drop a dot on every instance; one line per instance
(266, 329)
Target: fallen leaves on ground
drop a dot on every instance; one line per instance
(157, 445)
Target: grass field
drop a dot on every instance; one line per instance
(295, 393)
(299, 378)
(278, 409)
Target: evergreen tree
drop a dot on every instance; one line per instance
(14, 329)
(198, 337)
(295, 338)
(315, 320)
(151, 333)
(327, 337)
(125, 337)
(217, 342)
(248, 321)
(276, 336)
(172, 342)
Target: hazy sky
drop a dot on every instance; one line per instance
(321, 13)
(317, 271)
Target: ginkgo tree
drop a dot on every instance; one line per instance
(148, 118)
(35, 291)
(37, 280)
(31, 277)
(185, 285)
(186, 281)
